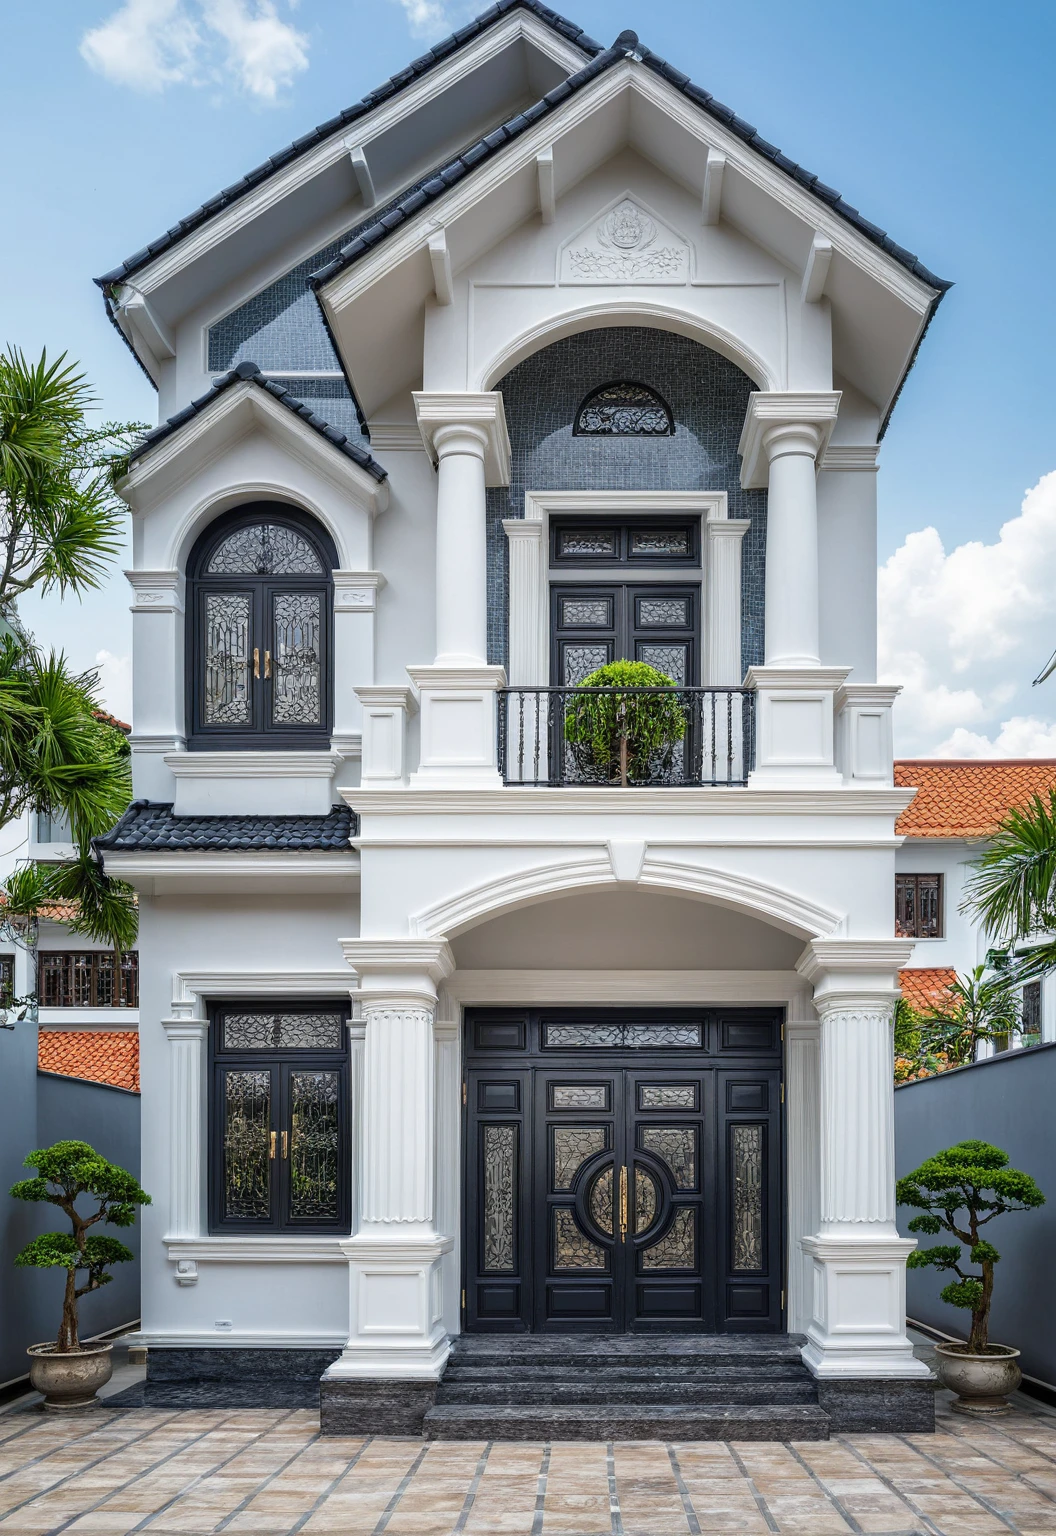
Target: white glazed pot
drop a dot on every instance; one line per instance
(70, 1381)
(980, 1381)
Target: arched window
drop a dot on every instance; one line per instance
(624, 409)
(259, 646)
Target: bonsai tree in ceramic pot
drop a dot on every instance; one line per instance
(67, 1372)
(975, 1178)
(624, 737)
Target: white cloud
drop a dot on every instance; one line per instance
(965, 632)
(151, 44)
(115, 683)
(430, 18)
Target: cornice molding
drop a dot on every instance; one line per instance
(398, 958)
(783, 408)
(252, 765)
(190, 988)
(840, 800)
(454, 679)
(850, 458)
(256, 1250)
(864, 695)
(861, 958)
(776, 679)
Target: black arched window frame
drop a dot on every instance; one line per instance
(259, 734)
(652, 401)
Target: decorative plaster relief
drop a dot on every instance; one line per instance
(627, 245)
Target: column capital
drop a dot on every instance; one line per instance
(854, 975)
(795, 421)
(399, 969)
(479, 417)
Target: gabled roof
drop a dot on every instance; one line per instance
(392, 87)
(379, 224)
(109, 1056)
(968, 797)
(152, 825)
(250, 373)
(371, 233)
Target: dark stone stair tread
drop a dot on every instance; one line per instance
(627, 1421)
(559, 1374)
(619, 1392)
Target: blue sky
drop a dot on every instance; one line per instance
(935, 119)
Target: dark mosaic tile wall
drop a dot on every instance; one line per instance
(708, 396)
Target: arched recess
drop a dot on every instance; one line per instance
(784, 909)
(259, 632)
(203, 513)
(627, 312)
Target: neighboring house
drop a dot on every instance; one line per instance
(957, 805)
(537, 358)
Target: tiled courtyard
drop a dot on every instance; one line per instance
(268, 1472)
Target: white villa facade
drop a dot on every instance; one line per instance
(537, 359)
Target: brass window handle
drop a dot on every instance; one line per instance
(285, 1144)
(273, 1138)
(623, 1204)
(267, 663)
(256, 667)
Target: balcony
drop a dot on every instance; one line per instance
(626, 737)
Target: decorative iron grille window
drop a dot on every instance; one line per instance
(624, 409)
(259, 635)
(279, 1118)
(660, 541)
(1031, 1020)
(85, 979)
(7, 980)
(918, 906)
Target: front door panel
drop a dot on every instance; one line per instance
(623, 1174)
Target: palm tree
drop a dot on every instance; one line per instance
(978, 1008)
(1013, 887)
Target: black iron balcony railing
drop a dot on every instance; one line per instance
(626, 737)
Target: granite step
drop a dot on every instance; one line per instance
(569, 1352)
(459, 1371)
(651, 1391)
(626, 1421)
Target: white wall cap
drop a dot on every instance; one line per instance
(795, 679)
(779, 408)
(855, 458)
(866, 694)
(456, 678)
(252, 765)
(388, 696)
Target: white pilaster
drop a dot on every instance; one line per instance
(783, 438)
(858, 1323)
(724, 537)
(529, 662)
(385, 714)
(355, 609)
(802, 1085)
(157, 678)
(186, 1074)
(864, 737)
(395, 1253)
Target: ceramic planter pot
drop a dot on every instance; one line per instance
(70, 1381)
(980, 1381)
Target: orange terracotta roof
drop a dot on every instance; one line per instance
(968, 797)
(108, 719)
(100, 1056)
(927, 987)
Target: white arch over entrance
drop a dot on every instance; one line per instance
(784, 909)
(624, 312)
(216, 503)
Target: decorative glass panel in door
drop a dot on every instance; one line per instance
(245, 1140)
(260, 591)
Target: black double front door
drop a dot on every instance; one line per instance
(623, 1170)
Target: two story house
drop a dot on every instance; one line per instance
(472, 1013)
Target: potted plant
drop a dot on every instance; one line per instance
(68, 1373)
(973, 1177)
(624, 737)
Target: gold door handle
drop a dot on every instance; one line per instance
(256, 663)
(273, 1138)
(285, 1143)
(267, 663)
(623, 1204)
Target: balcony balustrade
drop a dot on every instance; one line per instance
(626, 737)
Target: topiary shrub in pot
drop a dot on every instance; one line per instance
(624, 737)
(975, 1178)
(68, 1373)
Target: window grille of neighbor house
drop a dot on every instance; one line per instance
(7, 980)
(85, 979)
(918, 906)
(1030, 1031)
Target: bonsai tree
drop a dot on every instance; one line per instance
(65, 1172)
(973, 1177)
(624, 737)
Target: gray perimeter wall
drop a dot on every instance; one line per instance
(1009, 1101)
(40, 1108)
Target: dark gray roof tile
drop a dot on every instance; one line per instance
(250, 373)
(152, 826)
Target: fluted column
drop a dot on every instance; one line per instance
(858, 1322)
(398, 1172)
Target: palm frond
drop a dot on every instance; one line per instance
(1013, 884)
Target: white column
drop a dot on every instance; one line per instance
(187, 1039)
(858, 1323)
(722, 560)
(355, 609)
(783, 438)
(395, 1253)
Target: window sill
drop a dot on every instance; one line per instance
(260, 1248)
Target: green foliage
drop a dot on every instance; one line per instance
(64, 1173)
(981, 1006)
(651, 724)
(1013, 887)
(973, 1177)
(60, 520)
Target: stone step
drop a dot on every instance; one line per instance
(459, 1370)
(592, 1391)
(626, 1421)
(501, 1356)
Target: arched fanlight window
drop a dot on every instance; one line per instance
(259, 643)
(624, 409)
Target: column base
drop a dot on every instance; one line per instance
(396, 1310)
(459, 743)
(858, 1329)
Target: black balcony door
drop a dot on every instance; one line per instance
(623, 1171)
(656, 623)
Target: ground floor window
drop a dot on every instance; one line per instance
(279, 1118)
